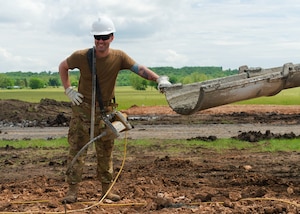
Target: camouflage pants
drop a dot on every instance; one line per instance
(79, 135)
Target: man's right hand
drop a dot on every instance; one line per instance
(74, 96)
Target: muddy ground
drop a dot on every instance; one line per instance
(156, 180)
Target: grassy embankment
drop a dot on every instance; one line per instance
(127, 97)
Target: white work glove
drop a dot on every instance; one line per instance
(74, 96)
(163, 82)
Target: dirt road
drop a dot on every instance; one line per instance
(175, 131)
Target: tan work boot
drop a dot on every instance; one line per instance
(71, 196)
(110, 195)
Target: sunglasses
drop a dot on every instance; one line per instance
(102, 37)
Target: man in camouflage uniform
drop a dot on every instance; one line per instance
(108, 64)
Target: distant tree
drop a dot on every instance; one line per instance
(172, 79)
(36, 83)
(137, 82)
(5, 81)
(74, 78)
(74, 83)
(124, 78)
(25, 82)
(54, 81)
(194, 77)
(176, 75)
(20, 82)
(153, 84)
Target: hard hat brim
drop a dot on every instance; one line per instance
(102, 32)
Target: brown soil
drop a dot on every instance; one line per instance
(156, 180)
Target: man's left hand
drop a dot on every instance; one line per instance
(163, 82)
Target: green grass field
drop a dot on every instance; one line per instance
(220, 145)
(285, 97)
(172, 146)
(126, 97)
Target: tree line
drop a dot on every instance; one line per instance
(185, 75)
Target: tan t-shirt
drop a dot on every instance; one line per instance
(107, 71)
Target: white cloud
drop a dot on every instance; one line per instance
(37, 35)
(17, 62)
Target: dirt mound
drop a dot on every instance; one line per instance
(256, 136)
(208, 139)
(47, 112)
(251, 136)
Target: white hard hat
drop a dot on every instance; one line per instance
(103, 26)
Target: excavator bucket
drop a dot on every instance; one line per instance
(249, 83)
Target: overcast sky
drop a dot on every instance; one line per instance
(36, 35)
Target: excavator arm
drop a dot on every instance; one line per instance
(249, 83)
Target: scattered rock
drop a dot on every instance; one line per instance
(8, 162)
(247, 167)
(202, 138)
(235, 196)
(290, 190)
(256, 136)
